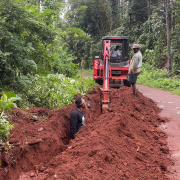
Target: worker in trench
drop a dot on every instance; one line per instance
(134, 68)
(77, 118)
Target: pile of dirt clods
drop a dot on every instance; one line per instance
(121, 143)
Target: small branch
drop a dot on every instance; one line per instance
(82, 65)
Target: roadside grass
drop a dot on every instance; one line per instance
(86, 71)
(157, 78)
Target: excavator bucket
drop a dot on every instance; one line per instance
(105, 101)
(105, 107)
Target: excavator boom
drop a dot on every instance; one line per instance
(106, 74)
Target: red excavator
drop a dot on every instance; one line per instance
(111, 70)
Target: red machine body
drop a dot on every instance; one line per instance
(111, 71)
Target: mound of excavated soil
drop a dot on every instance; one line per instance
(122, 143)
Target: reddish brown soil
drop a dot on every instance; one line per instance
(122, 143)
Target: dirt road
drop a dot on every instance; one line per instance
(170, 105)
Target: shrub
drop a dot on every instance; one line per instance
(6, 102)
(56, 90)
(158, 78)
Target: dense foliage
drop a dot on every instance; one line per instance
(55, 90)
(143, 21)
(157, 78)
(42, 38)
(42, 42)
(30, 43)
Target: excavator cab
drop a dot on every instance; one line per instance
(111, 71)
(123, 44)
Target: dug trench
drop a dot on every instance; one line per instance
(124, 142)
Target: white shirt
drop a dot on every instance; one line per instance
(115, 53)
(136, 63)
(83, 121)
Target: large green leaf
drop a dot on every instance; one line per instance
(3, 104)
(17, 98)
(10, 94)
(30, 62)
(7, 108)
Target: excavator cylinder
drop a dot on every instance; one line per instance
(106, 76)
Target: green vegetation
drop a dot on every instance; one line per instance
(86, 71)
(156, 78)
(144, 22)
(33, 42)
(40, 51)
(35, 49)
(38, 46)
(55, 90)
(6, 102)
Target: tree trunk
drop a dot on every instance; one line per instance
(130, 16)
(130, 21)
(172, 16)
(149, 9)
(122, 4)
(82, 67)
(168, 40)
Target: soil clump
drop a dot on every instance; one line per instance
(124, 142)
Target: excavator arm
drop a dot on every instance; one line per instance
(106, 74)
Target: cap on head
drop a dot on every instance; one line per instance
(136, 46)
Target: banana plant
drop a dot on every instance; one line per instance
(6, 102)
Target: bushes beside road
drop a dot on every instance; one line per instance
(158, 78)
(54, 90)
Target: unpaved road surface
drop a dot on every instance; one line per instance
(170, 105)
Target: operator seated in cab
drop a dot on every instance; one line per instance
(115, 52)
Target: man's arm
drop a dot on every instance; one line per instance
(111, 52)
(73, 123)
